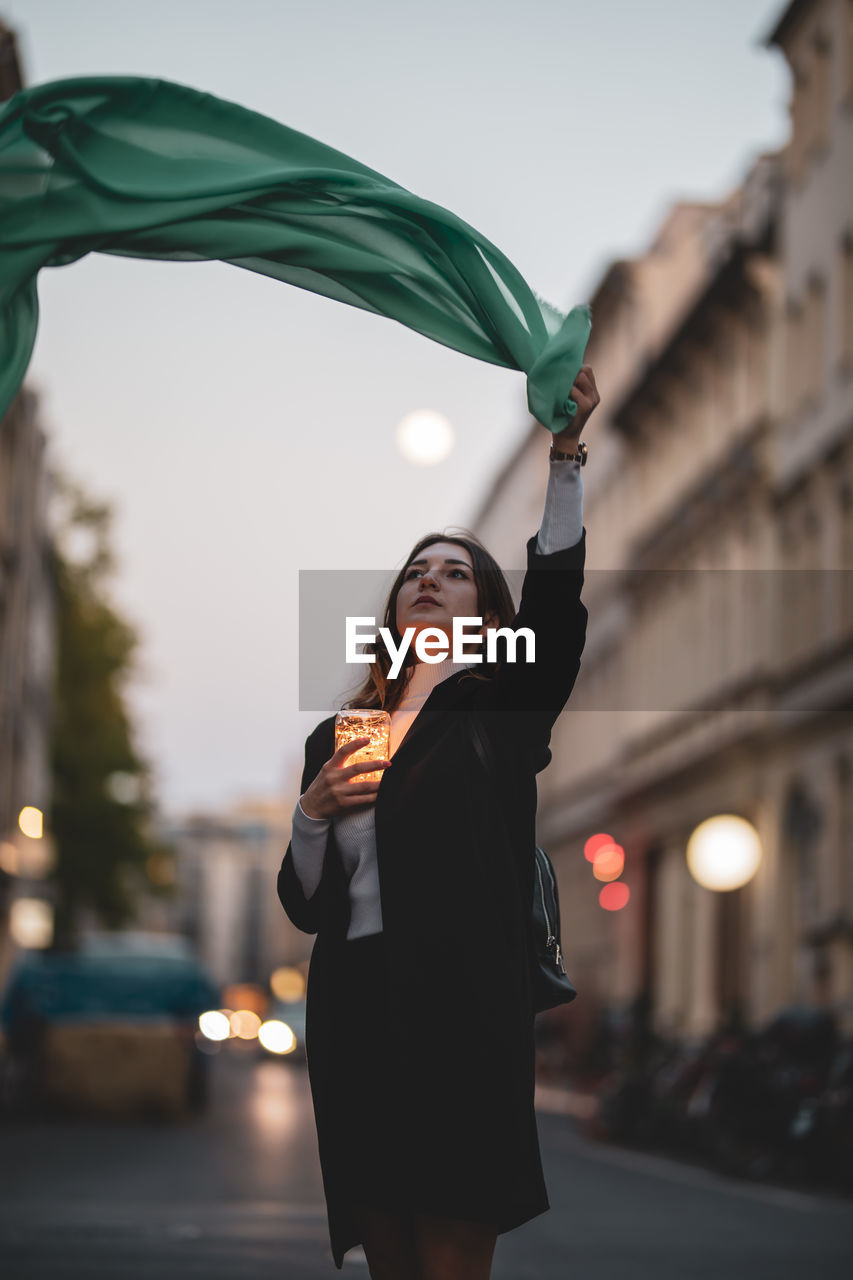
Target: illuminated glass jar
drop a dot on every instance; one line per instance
(360, 723)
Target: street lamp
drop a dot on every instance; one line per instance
(724, 852)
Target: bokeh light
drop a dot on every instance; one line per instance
(594, 843)
(245, 1024)
(31, 822)
(9, 859)
(31, 922)
(247, 995)
(724, 852)
(614, 897)
(287, 983)
(609, 862)
(276, 1036)
(215, 1025)
(425, 437)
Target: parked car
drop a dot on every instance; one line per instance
(111, 1027)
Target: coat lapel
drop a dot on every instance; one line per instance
(441, 698)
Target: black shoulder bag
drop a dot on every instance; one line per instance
(551, 985)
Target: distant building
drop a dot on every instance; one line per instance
(227, 864)
(27, 643)
(718, 502)
(27, 611)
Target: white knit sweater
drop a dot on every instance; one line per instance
(561, 527)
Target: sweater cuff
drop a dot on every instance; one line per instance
(301, 818)
(562, 519)
(308, 847)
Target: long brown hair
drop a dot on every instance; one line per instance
(493, 597)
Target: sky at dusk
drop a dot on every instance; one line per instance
(245, 430)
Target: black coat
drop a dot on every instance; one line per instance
(456, 867)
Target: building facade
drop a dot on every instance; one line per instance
(718, 503)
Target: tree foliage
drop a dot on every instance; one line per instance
(102, 802)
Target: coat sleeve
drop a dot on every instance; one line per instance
(306, 913)
(523, 699)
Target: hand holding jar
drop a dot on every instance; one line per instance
(366, 736)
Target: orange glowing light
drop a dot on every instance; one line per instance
(364, 723)
(614, 897)
(247, 995)
(609, 862)
(287, 983)
(594, 843)
(245, 1024)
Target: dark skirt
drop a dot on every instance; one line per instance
(441, 1140)
(373, 1153)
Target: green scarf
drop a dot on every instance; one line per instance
(148, 169)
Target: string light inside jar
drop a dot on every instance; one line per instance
(361, 723)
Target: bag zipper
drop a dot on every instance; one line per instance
(551, 944)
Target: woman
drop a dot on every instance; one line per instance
(419, 888)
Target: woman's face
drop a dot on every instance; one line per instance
(442, 572)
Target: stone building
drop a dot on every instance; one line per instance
(718, 502)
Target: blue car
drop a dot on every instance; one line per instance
(112, 1025)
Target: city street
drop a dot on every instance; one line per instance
(236, 1194)
(573, 415)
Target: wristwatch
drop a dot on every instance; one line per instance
(581, 456)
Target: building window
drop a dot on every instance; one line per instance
(794, 356)
(845, 574)
(797, 141)
(845, 494)
(845, 804)
(802, 825)
(798, 602)
(845, 277)
(820, 96)
(814, 336)
(811, 105)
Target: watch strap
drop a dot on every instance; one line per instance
(581, 456)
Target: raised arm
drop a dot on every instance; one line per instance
(526, 698)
